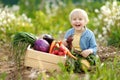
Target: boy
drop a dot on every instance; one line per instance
(83, 39)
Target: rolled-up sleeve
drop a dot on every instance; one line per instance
(93, 44)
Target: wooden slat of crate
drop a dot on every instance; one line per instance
(42, 60)
(41, 65)
(44, 56)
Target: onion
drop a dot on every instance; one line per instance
(41, 45)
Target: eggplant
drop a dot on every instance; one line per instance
(48, 38)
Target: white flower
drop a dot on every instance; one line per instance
(4, 22)
(104, 29)
(96, 10)
(105, 10)
(108, 27)
(15, 7)
(102, 65)
(104, 32)
(0, 24)
(105, 19)
(114, 3)
(99, 36)
(100, 16)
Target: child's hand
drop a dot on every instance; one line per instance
(85, 53)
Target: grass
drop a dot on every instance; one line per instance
(106, 70)
(3, 76)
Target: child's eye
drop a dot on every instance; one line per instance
(74, 18)
(80, 18)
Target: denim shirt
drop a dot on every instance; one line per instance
(87, 40)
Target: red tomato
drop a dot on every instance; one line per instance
(55, 52)
(61, 53)
(61, 48)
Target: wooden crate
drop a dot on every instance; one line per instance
(42, 60)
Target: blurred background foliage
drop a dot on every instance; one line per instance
(51, 16)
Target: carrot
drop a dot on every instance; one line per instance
(60, 42)
(52, 46)
(67, 51)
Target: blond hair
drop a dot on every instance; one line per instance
(81, 11)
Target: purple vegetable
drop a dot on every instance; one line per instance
(41, 45)
(48, 38)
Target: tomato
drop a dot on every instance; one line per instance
(61, 48)
(55, 52)
(61, 53)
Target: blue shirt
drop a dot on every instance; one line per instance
(87, 40)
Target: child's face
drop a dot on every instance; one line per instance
(78, 20)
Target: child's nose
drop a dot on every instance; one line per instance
(77, 20)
